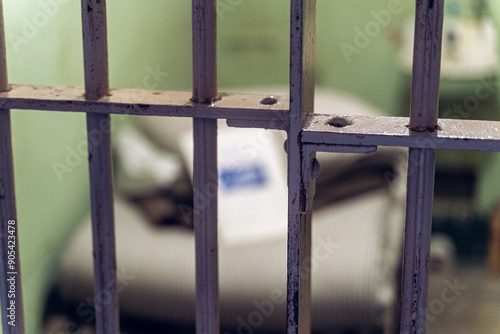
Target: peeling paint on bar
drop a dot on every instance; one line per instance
(147, 103)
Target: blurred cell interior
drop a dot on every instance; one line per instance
(360, 53)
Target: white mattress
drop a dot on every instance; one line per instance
(356, 255)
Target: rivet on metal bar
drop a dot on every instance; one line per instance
(339, 121)
(270, 100)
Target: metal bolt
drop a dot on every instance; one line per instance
(270, 100)
(339, 121)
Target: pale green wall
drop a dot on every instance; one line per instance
(148, 35)
(490, 178)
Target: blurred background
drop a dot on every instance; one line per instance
(361, 50)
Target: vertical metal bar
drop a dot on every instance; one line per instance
(10, 284)
(426, 65)
(205, 222)
(302, 51)
(95, 48)
(204, 21)
(4, 82)
(204, 50)
(420, 188)
(420, 184)
(100, 167)
(10, 268)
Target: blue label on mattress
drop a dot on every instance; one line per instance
(242, 177)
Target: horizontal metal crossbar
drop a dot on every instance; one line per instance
(269, 112)
(394, 131)
(248, 110)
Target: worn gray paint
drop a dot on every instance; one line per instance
(95, 56)
(204, 21)
(421, 162)
(307, 133)
(302, 54)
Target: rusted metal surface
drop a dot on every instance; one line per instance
(302, 53)
(204, 21)
(421, 162)
(393, 131)
(100, 165)
(11, 300)
(244, 107)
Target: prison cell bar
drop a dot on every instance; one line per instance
(302, 52)
(421, 162)
(204, 26)
(245, 110)
(384, 131)
(10, 298)
(100, 167)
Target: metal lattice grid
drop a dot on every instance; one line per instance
(307, 133)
